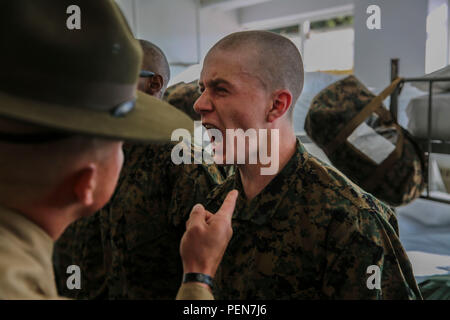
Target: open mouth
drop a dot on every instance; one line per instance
(209, 126)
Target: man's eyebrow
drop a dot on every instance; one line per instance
(218, 81)
(214, 83)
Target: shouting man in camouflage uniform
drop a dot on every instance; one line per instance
(130, 249)
(306, 232)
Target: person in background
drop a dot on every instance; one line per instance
(154, 60)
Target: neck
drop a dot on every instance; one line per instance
(52, 220)
(53, 223)
(253, 181)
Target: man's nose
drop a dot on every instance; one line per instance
(203, 103)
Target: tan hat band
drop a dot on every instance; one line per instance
(94, 96)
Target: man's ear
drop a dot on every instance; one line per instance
(85, 184)
(281, 103)
(155, 84)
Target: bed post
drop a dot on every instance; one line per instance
(394, 96)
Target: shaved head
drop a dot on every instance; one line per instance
(155, 60)
(274, 59)
(30, 172)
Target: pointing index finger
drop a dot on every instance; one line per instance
(228, 205)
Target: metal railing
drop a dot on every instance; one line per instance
(427, 144)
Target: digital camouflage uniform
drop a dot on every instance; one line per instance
(130, 249)
(81, 244)
(183, 96)
(310, 234)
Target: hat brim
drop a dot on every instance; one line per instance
(151, 120)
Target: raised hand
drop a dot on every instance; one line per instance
(207, 236)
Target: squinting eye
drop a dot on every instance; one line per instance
(219, 89)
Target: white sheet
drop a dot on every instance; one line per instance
(371, 143)
(417, 112)
(425, 234)
(439, 86)
(426, 265)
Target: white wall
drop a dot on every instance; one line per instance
(170, 24)
(214, 25)
(127, 8)
(179, 27)
(403, 36)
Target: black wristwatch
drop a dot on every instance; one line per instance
(198, 277)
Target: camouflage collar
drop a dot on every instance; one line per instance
(261, 208)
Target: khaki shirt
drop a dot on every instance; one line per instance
(25, 259)
(26, 270)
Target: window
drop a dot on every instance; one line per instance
(329, 44)
(437, 36)
(326, 45)
(291, 32)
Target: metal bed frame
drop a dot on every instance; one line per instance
(428, 145)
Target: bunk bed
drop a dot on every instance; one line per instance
(430, 141)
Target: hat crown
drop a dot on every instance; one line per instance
(41, 58)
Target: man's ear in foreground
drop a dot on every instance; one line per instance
(85, 183)
(282, 100)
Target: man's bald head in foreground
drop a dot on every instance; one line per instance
(274, 59)
(154, 60)
(44, 179)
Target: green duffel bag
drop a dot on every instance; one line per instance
(436, 288)
(361, 139)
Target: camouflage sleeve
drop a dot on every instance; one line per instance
(62, 258)
(141, 238)
(367, 262)
(192, 186)
(81, 245)
(183, 96)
